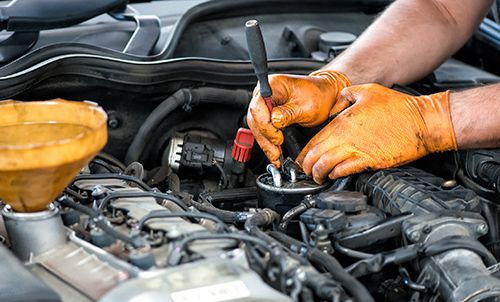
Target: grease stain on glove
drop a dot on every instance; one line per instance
(304, 100)
(383, 128)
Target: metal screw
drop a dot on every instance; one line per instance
(482, 229)
(98, 192)
(301, 275)
(113, 121)
(414, 236)
(427, 229)
(225, 40)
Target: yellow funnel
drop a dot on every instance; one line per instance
(43, 145)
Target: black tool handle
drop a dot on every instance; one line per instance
(257, 51)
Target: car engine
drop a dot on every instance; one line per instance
(181, 205)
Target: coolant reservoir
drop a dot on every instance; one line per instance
(43, 145)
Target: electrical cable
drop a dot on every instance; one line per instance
(127, 178)
(105, 165)
(225, 215)
(225, 181)
(111, 159)
(75, 194)
(101, 222)
(350, 252)
(338, 273)
(168, 214)
(400, 255)
(105, 201)
(183, 97)
(175, 255)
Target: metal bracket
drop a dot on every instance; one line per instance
(146, 33)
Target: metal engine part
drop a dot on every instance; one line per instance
(28, 231)
(458, 274)
(100, 267)
(281, 191)
(438, 213)
(212, 280)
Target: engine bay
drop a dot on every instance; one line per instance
(181, 205)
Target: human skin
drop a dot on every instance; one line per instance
(408, 41)
(384, 128)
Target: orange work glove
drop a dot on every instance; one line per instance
(304, 100)
(383, 128)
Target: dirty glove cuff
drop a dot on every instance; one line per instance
(438, 127)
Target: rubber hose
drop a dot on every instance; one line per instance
(459, 242)
(187, 97)
(101, 222)
(262, 218)
(231, 195)
(338, 273)
(224, 215)
(490, 172)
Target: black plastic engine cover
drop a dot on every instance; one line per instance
(408, 189)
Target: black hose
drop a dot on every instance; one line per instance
(350, 252)
(170, 197)
(128, 178)
(490, 172)
(183, 97)
(378, 261)
(168, 214)
(101, 222)
(459, 242)
(338, 273)
(259, 219)
(175, 255)
(230, 195)
(224, 215)
(105, 165)
(75, 194)
(294, 212)
(112, 160)
(355, 288)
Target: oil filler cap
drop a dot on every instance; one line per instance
(243, 144)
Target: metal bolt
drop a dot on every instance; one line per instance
(121, 276)
(113, 121)
(414, 236)
(173, 233)
(482, 229)
(98, 192)
(427, 229)
(449, 184)
(7, 208)
(301, 275)
(225, 40)
(51, 207)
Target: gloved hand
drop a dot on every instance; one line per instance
(304, 100)
(383, 128)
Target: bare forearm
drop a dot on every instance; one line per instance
(409, 40)
(475, 114)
